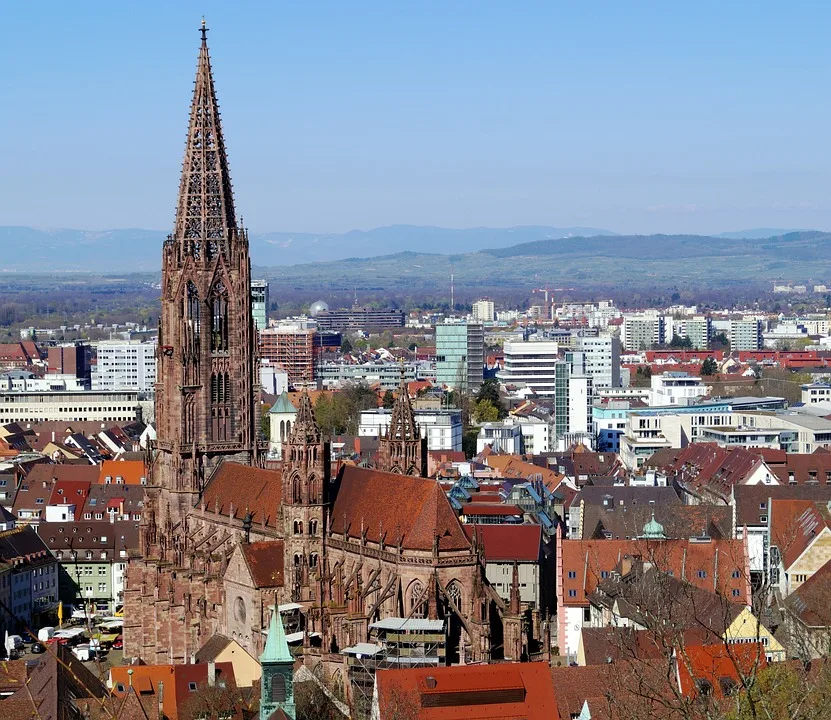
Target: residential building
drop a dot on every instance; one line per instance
(698, 330)
(460, 356)
(745, 334)
(609, 423)
(813, 393)
(259, 303)
(602, 356)
(293, 350)
(483, 311)
(676, 388)
(32, 580)
(800, 541)
(642, 331)
(531, 365)
(503, 437)
(442, 428)
(125, 365)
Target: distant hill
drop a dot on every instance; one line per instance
(140, 250)
(619, 260)
(758, 233)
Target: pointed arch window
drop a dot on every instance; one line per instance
(418, 600)
(219, 318)
(192, 316)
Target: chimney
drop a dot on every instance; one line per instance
(53, 436)
(211, 673)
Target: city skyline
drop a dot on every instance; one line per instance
(649, 120)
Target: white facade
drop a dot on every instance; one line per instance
(505, 437)
(125, 366)
(531, 364)
(579, 404)
(23, 381)
(274, 380)
(442, 428)
(483, 310)
(101, 406)
(745, 334)
(642, 330)
(816, 393)
(602, 359)
(676, 388)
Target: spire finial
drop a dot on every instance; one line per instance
(204, 30)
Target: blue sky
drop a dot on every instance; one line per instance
(632, 116)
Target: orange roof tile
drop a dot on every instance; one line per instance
(265, 562)
(245, 488)
(131, 471)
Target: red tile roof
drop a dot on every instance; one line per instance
(130, 471)
(265, 562)
(716, 666)
(809, 602)
(408, 508)
(505, 543)
(510, 690)
(708, 565)
(794, 525)
(245, 488)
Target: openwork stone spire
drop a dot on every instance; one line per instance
(402, 423)
(205, 213)
(305, 430)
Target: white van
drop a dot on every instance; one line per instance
(14, 642)
(82, 652)
(45, 634)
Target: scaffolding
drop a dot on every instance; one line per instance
(397, 643)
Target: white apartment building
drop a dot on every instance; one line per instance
(442, 428)
(643, 330)
(676, 388)
(814, 393)
(532, 365)
(504, 437)
(24, 380)
(124, 365)
(602, 359)
(483, 311)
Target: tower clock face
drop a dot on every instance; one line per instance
(239, 609)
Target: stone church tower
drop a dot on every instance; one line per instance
(402, 450)
(206, 360)
(305, 498)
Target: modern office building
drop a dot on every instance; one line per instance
(358, 318)
(100, 406)
(602, 358)
(573, 397)
(676, 388)
(259, 303)
(483, 310)
(124, 365)
(745, 334)
(387, 374)
(442, 428)
(532, 365)
(293, 350)
(460, 356)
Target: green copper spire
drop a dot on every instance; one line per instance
(276, 648)
(277, 684)
(653, 530)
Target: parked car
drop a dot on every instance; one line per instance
(37, 648)
(118, 643)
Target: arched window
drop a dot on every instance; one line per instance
(313, 490)
(298, 527)
(454, 591)
(219, 318)
(282, 431)
(295, 490)
(312, 527)
(192, 316)
(313, 560)
(418, 600)
(296, 561)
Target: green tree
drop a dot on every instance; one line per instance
(490, 392)
(485, 411)
(388, 400)
(346, 346)
(709, 367)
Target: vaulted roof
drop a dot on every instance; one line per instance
(395, 507)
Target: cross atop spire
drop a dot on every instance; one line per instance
(205, 213)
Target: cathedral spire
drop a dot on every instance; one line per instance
(205, 214)
(402, 423)
(305, 429)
